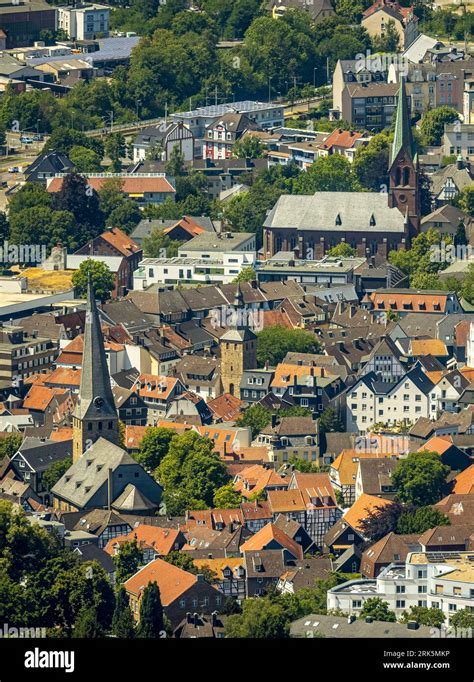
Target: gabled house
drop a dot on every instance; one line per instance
(374, 477)
(290, 437)
(263, 570)
(388, 550)
(230, 575)
(181, 592)
(33, 459)
(319, 498)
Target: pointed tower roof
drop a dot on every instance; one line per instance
(96, 400)
(403, 138)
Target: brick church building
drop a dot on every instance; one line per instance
(373, 223)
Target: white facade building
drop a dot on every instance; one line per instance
(84, 22)
(219, 269)
(373, 401)
(442, 580)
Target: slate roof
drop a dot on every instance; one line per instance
(91, 552)
(86, 476)
(337, 212)
(40, 454)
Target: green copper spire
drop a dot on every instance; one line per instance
(403, 138)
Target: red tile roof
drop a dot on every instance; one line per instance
(130, 184)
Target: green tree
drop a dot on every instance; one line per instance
(420, 520)
(226, 497)
(115, 148)
(191, 473)
(154, 446)
(127, 560)
(111, 196)
(43, 226)
(463, 620)
(123, 625)
(151, 625)
(10, 445)
(63, 139)
(433, 122)
(126, 216)
(425, 255)
(87, 625)
(342, 250)
(175, 163)
(371, 162)
(423, 615)
(85, 160)
(249, 147)
(273, 343)
(328, 174)
(425, 280)
(465, 200)
(256, 417)
(55, 471)
(260, 619)
(77, 197)
(102, 279)
(420, 478)
(159, 245)
(246, 275)
(460, 238)
(329, 422)
(377, 609)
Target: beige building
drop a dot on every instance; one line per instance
(377, 17)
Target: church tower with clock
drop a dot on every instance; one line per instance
(95, 415)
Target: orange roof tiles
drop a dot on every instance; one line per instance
(188, 224)
(409, 302)
(172, 581)
(120, 241)
(361, 508)
(162, 540)
(256, 478)
(347, 463)
(464, 482)
(134, 436)
(428, 347)
(285, 374)
(38, 398)
(437, 444)
(341, 138)
(218, 565)
(266, 538)
(286, 500)
(226, 407)
(155, 386)
(65, 376)
(130, 184)
(62, 434)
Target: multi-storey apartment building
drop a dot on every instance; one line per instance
(442, 580)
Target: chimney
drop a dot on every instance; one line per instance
(200, 579)
(274, 420)
(189, 617)
(214, 618)
(109, 489)
(459, 162)
(196, 618)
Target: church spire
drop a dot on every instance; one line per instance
(403, 138)
(95, 414)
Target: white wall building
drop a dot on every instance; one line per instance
(84, 22)
(372, 401)
(442, 580)
(220, 269)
